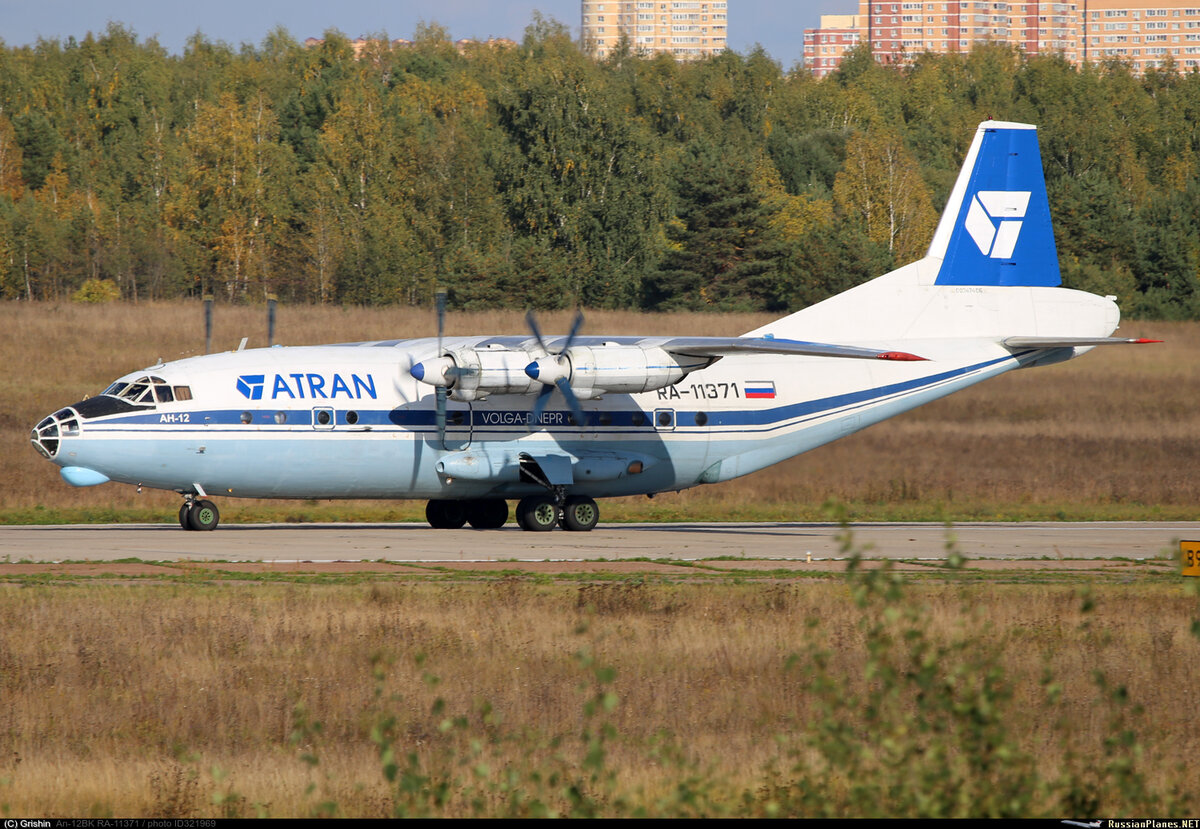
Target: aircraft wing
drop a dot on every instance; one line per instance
(1071, 342)
(724, 346)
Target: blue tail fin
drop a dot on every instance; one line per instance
(996, 227)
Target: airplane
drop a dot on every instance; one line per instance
(469, 423)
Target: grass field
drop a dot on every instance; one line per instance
(690, 693)
(1113, 435)
(505, 694)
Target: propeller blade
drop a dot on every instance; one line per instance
(440, 393)
(539, 406)
(564, 386)
(440, 301)
(455, 371)
(553, 370)
(531, 321)
(575, 326)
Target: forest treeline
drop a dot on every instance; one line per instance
(536, 176)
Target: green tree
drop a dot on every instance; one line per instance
(232, 205)
(12, 184)
(362, 177)
(721, 253)
(576, 173)
(881, 186)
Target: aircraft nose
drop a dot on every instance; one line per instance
(47, 435)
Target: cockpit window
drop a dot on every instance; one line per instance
(146, 391)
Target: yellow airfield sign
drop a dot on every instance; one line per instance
(1189, 557)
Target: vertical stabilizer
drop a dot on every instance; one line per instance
(996, 227)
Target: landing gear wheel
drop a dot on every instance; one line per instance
(184, 511)
(580, 514)
(445, 515)
(487, 513)
(203, 515)
(537, 513)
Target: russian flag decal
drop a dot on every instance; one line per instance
(760, 388)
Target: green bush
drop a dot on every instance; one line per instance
(97, 292)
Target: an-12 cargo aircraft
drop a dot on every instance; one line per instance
(554, 423)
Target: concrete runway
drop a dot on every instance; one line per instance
(613, 542)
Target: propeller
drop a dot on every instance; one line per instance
(440, 389)
(554, 370)
(440, 372)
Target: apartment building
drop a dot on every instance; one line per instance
(684, 29)
(824, 47)
(1143, 32)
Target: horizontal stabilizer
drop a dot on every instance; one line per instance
(723, 346)
(1071, 342)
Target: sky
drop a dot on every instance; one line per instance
(778, 25)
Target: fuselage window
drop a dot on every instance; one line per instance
(183, 392)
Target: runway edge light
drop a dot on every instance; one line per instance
(1189, 558)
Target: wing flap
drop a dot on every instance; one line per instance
(724, 346)
(1071, 342)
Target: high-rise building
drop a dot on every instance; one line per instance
(1143, 32)
(824, 47)
(685, 29)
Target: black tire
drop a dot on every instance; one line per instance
(537, 513)
(204, 515)
(487, 513)
(580, 514)
(183, 515)
(445, 515)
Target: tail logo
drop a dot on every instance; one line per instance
(994, 221)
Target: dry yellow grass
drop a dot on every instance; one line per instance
(1111, 435)
(148, 700)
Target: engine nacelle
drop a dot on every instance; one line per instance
(473, 374)
(615, 369)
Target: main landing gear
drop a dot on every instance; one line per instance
(536, 513)
(199, 515)
(484, 514)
